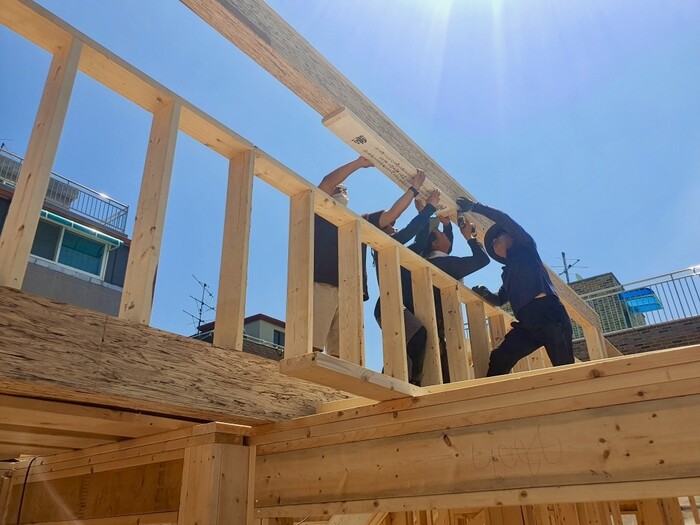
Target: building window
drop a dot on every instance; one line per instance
(58, 244)
(81, 253)
(278, 337)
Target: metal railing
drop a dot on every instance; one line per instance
(69, 195)
(660, 299)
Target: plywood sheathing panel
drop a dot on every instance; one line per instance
(56, 351)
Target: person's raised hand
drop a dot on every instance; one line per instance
(434, 198)
(363, 162)
(418, 179)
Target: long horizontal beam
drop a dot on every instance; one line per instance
(610, 432)
(262, 34)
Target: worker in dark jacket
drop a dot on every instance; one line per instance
(415, 332)
(436, 249)
(542, 319)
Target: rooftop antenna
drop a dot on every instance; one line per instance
(203, 307)
(568, 266)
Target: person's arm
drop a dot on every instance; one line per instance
(487, 295)
(420, 221)
(393, 213)
(502, 219)
(468, 265)
(338, 175)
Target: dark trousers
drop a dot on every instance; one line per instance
(542, 322)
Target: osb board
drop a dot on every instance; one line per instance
(56, 351)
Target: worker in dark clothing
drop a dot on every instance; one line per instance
(436, 250)
(415, 332)
(542, 319)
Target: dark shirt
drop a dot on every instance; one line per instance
(418, 223)
(459, 267)
(524, 275)
(325, 251)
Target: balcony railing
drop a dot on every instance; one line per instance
(659, 299)
(69, 195)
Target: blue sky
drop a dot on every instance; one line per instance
(581, 119)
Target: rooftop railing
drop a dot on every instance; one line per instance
(70, 196)
(660, 299)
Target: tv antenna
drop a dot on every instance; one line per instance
(203, 307)
(567, 266)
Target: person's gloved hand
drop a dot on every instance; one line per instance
(487, 295)
(464, 204)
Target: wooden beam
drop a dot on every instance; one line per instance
(595, 342)
(260, 32)
(45, 416)
(478, 337)
(352, 329)
(356, 134)
(538, 393)
(23, 215)
(424, 304)
(300, 276)
(453, 319)
(144, 253)
(616, 447)
(217, 483)
(233, 275)
(51, 33)
(393, 329)
(327, 370)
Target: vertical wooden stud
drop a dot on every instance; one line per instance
(455, 338)
(233, 273)
(393, 333)
(217, 485)
(352, 328)
(23, 215)
(144, 253)
(300, 276)
(595, 342)
(479, 337)
(424, 305)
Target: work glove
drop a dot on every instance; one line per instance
(464, 204)
(486, 295)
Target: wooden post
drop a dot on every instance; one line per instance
(23, 215)
(694, 509)
(350, 311)
(479, 337)
(144, 253)
(424, 305)
(393, 333)
(233, 275)
(300, 276)
(595, 342)
(455, 338)
(217, 485)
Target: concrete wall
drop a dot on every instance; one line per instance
(61, 284)
(653, 337)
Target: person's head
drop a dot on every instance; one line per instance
(438, 241)
(501, 244)
(497, 243)
(340, 194)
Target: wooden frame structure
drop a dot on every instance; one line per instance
(110, 414)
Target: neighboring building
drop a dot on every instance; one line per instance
(266, 328)
(605, 294)
(262, 335)
(80, 250)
